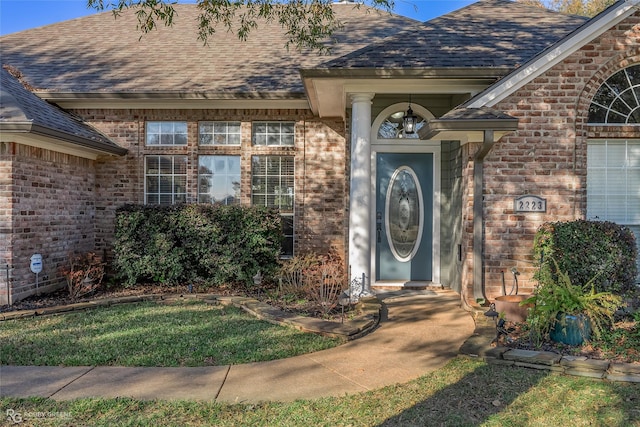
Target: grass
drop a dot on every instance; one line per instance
(465, 392)
(184, 333)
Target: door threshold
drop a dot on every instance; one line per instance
(393, 285)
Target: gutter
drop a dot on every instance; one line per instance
(478, 214)
(52, 96)
(422, 73)
(43, 131)
(437, 126)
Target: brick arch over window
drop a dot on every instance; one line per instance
(617, 101)
(624, 60)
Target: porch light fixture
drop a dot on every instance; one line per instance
(409, 120)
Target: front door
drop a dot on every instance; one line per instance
(404, 217)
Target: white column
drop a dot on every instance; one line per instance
(360, 191)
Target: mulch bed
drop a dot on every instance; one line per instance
(518, 338)
(61, 297)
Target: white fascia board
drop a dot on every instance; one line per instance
(51, 144)
(557, 53)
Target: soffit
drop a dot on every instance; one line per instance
(329, 97)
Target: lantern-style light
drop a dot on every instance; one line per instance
(409, 120)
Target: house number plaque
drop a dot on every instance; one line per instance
(530, 204)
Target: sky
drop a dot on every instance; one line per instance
(18, 15)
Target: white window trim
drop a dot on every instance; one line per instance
(213, 134)
(146, 134)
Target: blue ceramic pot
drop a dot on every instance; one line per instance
(571, 330)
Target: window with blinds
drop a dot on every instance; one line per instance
(613, 183)
(165, 180)
(272, 185)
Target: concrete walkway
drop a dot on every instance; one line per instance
(419, 332)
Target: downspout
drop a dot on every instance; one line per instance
(478, 214)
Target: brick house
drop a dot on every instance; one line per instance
(522, 116)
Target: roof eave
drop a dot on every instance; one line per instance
(169, 100)
(462, 127)
(59, 136)
(409, 73)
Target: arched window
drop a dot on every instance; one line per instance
(618, 99)
(392, 127)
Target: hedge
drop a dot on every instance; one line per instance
(585, 249)
(180, 244)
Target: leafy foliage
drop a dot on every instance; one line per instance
(308, 23)
(573, 7)
(561, 296)
(181, 243)
(585, 250)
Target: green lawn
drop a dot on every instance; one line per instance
(184, 333)
(464, 393)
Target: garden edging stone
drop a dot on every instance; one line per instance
(480, 345)
(365, 321)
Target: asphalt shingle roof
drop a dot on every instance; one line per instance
(21, 110)
(488, 33)
(99, 54)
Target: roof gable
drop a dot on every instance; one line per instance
(485, 34)
(22, 113)
(554, 54)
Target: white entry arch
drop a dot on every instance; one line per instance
(382, 144)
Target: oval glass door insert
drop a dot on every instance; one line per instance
(404, 214)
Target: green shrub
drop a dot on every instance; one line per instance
(588, 249)
(220, 245)
(562, 297)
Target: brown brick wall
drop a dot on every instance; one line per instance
(50, 211)
(6, 216)
(547, 155)
(319, 151)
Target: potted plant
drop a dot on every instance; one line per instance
(567, 312)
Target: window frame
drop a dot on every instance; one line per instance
(173, 175)
(598, 164)
(270, 134)
(237, 194)
(226, 135)
(620, 90)
(164, 135)
(287, 215)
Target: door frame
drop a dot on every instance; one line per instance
(406, 146)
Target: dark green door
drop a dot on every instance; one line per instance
(404, 216)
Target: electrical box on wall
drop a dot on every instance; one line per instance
(36, 263)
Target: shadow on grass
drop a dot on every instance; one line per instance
(150, 334)
(496, 395)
